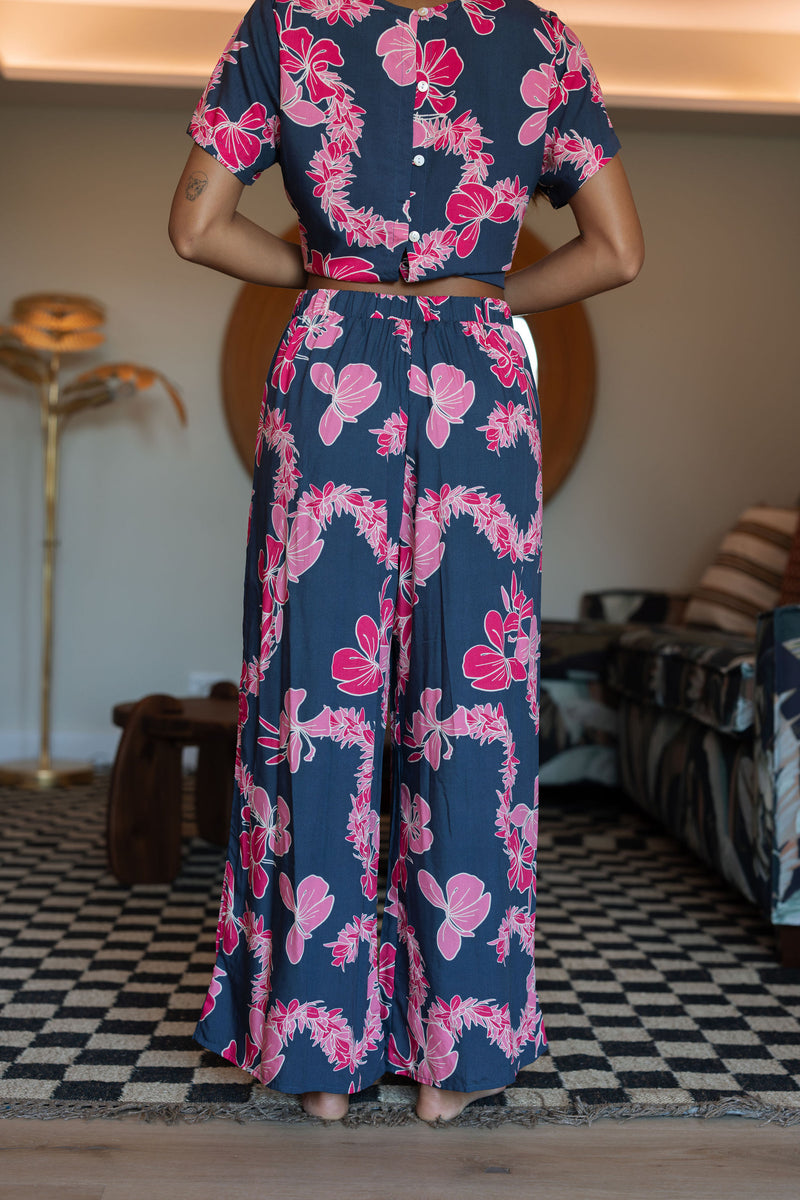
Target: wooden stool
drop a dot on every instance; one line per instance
(144, 795)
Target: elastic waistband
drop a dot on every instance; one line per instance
(317, 301)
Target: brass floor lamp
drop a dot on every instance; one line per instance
(44, 329)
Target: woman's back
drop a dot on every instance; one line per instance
(410, 141)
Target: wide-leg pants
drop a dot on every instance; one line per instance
(392, 581)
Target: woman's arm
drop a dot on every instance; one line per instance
(205, 227)
(608, 251)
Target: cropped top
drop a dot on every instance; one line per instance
(410, 141)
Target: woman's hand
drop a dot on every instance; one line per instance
(204, 227)
(608, 251)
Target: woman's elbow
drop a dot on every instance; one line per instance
(183, 237)
(627, 258)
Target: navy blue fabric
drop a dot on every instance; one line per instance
(410, 141)
(392, 581)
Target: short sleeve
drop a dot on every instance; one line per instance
(237, 118)
(579, 138)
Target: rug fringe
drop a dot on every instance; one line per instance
(486, 1117)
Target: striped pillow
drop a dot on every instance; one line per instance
(746, 575)
(790, 588)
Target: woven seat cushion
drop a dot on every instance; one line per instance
(746, 575)
(705, 675)
(576, 649)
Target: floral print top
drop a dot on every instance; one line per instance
(410, 141)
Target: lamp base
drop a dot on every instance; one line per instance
(60, 773)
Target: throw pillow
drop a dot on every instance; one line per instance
(746, 575)
(790, 588)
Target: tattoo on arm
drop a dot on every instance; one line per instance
(196, 184)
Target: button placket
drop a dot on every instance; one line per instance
(418, 159)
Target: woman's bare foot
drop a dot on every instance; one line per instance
(329, 1106)
(438, 1103)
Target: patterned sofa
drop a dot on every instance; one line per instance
(701, 727)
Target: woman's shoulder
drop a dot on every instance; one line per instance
(353, 12)
(526, 27)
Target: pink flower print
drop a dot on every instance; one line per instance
(300, 54)
(272, 572)
(554, 41)
(214, 990)
(301, 111)
(392, 438)
(428, 548)
(521, 856)
(414, 817)
(290, 727)
(243, 706)
(506, 422)
(425, 303)
(303, 543)
(428, 733)
(283, 371)
(465, 907)
(334, 10)
(293, 735)
(441, 66)
(451, 394)
(560, 148)
(439, 1059)
(228, 926)
(535, 89)
(527, 820)
(266, 1041)
(332, 172)
(570, 81)
(432, 250)
(463, 136)
(238, 143)
(233, 44)
(313, 906)
(198, 129)
(386, 969)
(355, 391)
(279, 837)
(269, 827)
(545, 91)
(347, 266)
(322, 329)
(480, 22)
(487, 666)
(397, 46)
(252, 850)
(394, 232)
(509, 358)
(471, 204)
(358, 672)
(386, 963)
(231, 1053)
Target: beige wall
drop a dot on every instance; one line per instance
(697, 405)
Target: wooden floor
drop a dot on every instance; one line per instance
(724, 1159)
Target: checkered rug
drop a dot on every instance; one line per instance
(660, 988)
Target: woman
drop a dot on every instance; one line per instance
(393, 565)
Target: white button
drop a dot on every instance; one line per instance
(418, 160)
(413, 236)
(422, 86)
(423, 12)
